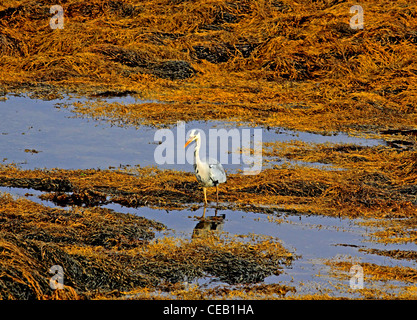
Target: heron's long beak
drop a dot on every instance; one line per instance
(188, 142)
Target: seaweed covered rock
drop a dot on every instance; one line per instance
(171, 69)
(85, 243)
(103, 253)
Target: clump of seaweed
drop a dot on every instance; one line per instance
(375, 279)
(84, 242)
(258, 59)
(365, 191)
(105, 254)
(193, 292)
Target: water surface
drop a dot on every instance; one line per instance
(41, 134)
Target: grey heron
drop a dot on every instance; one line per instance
(209, 173)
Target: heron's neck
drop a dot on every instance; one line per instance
(197, 151)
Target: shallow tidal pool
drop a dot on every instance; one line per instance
(41, 134)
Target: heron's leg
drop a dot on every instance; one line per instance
(217, 193)
(205, 194)
(204, 212)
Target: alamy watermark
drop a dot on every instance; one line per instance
(356, 281)
(171, 148)
(356, 21)
(57, 20)
(57, 280)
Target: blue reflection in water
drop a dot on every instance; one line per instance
(40, 134)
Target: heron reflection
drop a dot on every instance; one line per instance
(210, 225)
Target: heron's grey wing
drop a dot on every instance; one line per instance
(217, 173)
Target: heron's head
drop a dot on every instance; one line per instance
(194, 135)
